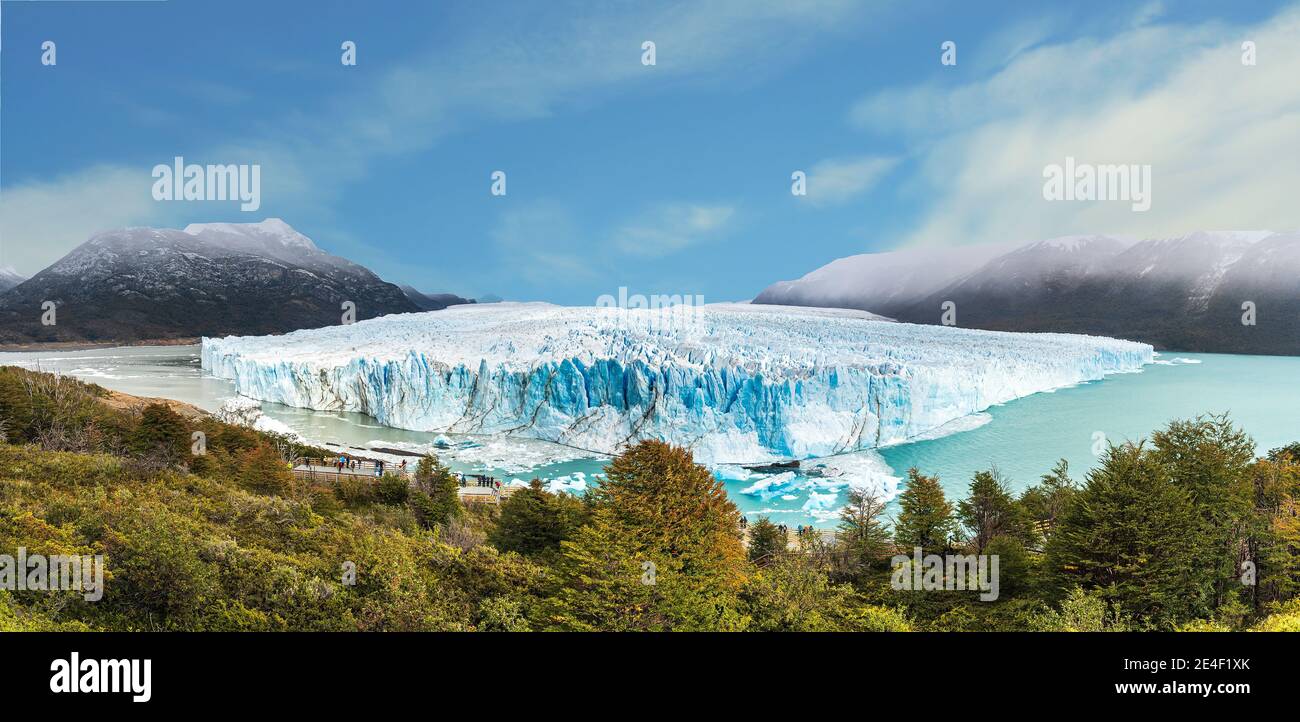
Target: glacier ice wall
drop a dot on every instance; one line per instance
(734, 382)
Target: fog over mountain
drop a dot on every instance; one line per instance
(1184, 293)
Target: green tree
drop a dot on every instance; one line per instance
(436, 498)
(1132, 535)
(1210, 458)
(767, 542)
(990, 510)
(661, 550)
(1017, 571)
(1273, 531)
(534, 521)
(1046, 501)
(670, 503)
(1289, 453)
(158, 573)
(925, 518)
(863, 540)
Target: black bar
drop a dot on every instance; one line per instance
(932, 672)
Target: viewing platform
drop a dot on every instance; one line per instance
(473, 488)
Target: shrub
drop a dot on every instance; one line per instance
(160, 435)
(392, 489)
(263, 471)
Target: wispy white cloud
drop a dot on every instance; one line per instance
(522, 65)
(539, 241)
(670, 227)
(214, 93)
(837, 180)
(1148, 12)
(41, 221)
(1218, 135)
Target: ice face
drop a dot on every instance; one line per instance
(736, 383)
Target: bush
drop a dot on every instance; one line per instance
(160, 436)
(393, 489)
(791, 594)
(499, 614)
(1082, 612)
(263, 471)
(354, 490)
(1285, 618)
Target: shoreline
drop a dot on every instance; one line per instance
(95, 345)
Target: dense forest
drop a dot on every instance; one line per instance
(1187, 530)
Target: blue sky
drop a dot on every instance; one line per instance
(673, 178)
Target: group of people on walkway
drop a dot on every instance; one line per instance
(343, 462)
(479, 480)
(800, 531)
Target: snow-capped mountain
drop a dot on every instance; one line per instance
(734, 382)
(272, 237)
(9, 278)
(1185, 293)
(211, 278)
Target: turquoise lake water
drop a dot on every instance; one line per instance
(1023, 438)
(1027, 436)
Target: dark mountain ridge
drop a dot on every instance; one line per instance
(213, 279)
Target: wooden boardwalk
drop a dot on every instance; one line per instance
(473, 489)
(792, 538)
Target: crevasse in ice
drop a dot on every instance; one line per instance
(734, 382)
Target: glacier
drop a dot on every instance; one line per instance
(735, 383)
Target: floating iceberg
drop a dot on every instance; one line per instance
(737, 383)
(242, 411)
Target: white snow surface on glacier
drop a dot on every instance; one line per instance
(736, 383)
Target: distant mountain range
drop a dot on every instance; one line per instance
(432, 301)
(210, 279)
(1185, 293)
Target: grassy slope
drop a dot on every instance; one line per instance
(206, 551)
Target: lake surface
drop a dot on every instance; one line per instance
(1023, 438)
